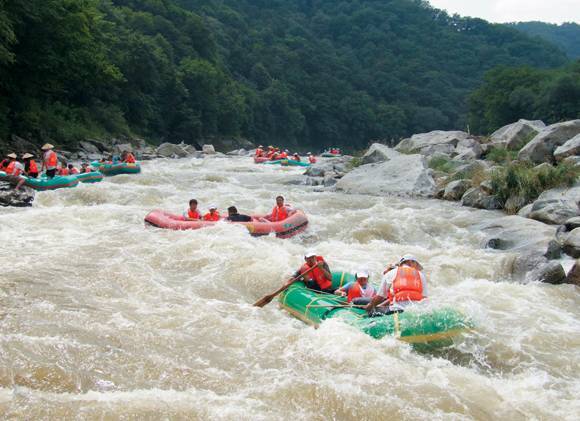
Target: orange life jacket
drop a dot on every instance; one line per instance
(406, 286)
(279, 213)
(356, 291)
(74, 171)
(130, 158)
(86, 170)
(50, 160)
(317, 274)
(259, 152)
(283, 155)
(209, 217)
(193, 214)
(32, 167)
(312, 159)
(63, 171)
(12, 169)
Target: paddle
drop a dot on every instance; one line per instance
(267, 299)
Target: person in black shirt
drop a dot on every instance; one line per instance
(234, 216)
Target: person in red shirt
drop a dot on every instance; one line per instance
(86, 168)
(280, 211)
(212, 215)
(192, 213)
(63, 170)
(259, 151)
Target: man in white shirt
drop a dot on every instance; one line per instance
(402, 285)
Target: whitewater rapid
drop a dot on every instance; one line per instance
(102, 317)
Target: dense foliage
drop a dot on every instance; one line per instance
(314, 72)
(509, 94)
(566, 36)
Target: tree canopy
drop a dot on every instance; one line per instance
(566, 36)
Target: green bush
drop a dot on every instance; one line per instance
(501, 155)
(441, 164)
(526, 182)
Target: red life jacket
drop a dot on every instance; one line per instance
(12, 169)
(279, 214)
(50, 160)
(283, 155)
(259, 152)
(4, 164)
(130, 158)
(33, 167)
(406, 286)
(209, 217)
(317, 274)
(86, 170)
(74, 171)
(63, 171)
(312, 159)
(356, 291)
(193, 214)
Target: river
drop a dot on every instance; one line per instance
(104, 318)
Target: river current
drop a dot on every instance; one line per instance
(102, 317)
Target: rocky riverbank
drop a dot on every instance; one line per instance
(527, 169)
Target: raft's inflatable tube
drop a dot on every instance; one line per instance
(90, 177)
(433, 328)
(330, 155)
(288, 162)
(116, 169)
(294, 224)
(260, 159)
(57, 182)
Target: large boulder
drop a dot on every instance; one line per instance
(88, 148)
(514, 136)
(534, 267)
(570, 148)
(573, 276)
(10, 197)
(515, 233)
(432, 142)
(400, 175)
(338, 166)
(208, 149)
(476, 197)
(556, 206)
(541, 148)
(376, 153)
(171, 150)
(468, 150)
(456, 189)
(119, 148)
(571, 244)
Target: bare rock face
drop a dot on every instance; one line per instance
(541, 148)
(556, 206)
(570, 148)
(406, 175)
(573, 276)
(376, 153)
(432, 142)
(18, 198)
(456, 189)
(514, 136)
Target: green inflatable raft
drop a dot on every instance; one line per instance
(116, 169)
(424, 329)
(90, 177)
(58, 182)
(288, 162)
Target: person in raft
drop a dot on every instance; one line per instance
(192, 213)
(296, 157)
(359, 292)
(49, 160)
(128, 158)
(311, 158)
(403, 283)
(259, 151)
(72, 169)
(14, 167)
(212, 215)
(234, 216)
(280, 211)
(86, 168)
(320, 279)
(30, 166)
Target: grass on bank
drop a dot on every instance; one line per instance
(526, 182)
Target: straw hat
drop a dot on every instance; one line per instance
(47, 146)
(12, 155)
(27, 155)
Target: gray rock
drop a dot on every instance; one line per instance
(525, 211)
(572, 223)
(467, 170)
(570, 148)
(515, 233)
(336, 165)
(514, 136)
(456, 189)
(171, 150)
(100, 145)
(376, 153)
(534, 267)
(238, 152)
(190, 149)
(573, 276)
(477, 198)
(554, 250)
(486, 186)
(89, 148)
(468, 150)
(572, 160)
(10, 197)
(433, 142)
(439, 192)
(543, 145)
(120, 147)
(330, 179)
(571, 244)
(208, 149)
(556, 206)
(402, 174)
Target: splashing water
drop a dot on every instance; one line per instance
(102, 317)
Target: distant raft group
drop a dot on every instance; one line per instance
(55, 174)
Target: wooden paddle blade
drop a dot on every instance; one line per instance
(264, 300)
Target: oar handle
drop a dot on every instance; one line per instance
(268, 298)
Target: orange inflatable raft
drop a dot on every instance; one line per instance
(260, 225)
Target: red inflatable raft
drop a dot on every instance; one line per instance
(294, 224)
(260, 159)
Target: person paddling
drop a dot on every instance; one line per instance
(359, 292)
(315, 273)
(192, 213)
(212, 215)
(403, 283)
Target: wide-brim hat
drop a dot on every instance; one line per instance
(47, 146)
(12, 155)
(27, 155)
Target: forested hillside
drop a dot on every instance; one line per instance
(312, 72)
(565, 36)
